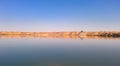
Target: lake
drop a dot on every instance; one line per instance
(59, 52)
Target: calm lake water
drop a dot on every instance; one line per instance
(59, 52)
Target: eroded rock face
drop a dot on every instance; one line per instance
(61, 34)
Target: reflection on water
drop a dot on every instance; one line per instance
(63, 36)
(45, 51)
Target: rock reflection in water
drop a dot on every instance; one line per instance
(60, 36)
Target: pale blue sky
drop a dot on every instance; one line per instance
(59, 15)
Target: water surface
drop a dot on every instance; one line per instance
(59, 52)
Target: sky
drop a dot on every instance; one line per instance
(59, 15)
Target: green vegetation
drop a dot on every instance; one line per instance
(110, 35)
